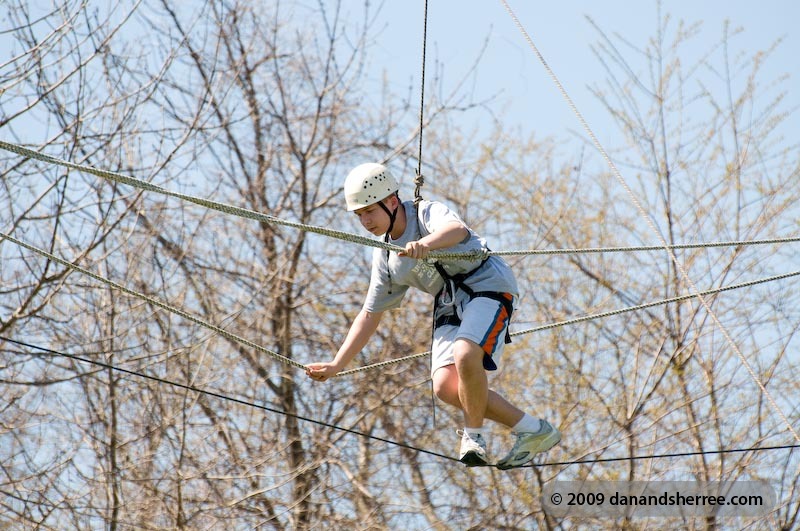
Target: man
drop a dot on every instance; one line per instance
(472, 310)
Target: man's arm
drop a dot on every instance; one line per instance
(450, 234)
(364, 325)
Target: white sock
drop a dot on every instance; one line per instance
(528, 424)
(473, 432)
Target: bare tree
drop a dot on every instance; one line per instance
(664, 380)
(263, 107)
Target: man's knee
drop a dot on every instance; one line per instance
(468, 355)
(445, 385)
(445, 392)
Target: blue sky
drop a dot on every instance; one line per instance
(509, 69)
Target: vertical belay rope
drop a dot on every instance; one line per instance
(419, 180)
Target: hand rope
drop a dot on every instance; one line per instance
(477, 255)
(155, 302)
(215, 205)
(585, 318)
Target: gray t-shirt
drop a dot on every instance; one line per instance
(494, 275)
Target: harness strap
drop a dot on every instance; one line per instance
(445, 320)
(459, 278)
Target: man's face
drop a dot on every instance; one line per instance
(374, 218)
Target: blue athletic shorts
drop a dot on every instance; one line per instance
(483, 321)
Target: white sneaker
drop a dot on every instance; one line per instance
(529, 444)
(473, 450)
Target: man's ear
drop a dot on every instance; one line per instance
(393, 202)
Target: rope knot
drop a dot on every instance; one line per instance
(419, 180)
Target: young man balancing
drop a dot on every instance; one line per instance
(472, 310)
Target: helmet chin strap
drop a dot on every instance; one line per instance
(392, 217)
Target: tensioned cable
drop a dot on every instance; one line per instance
(662, 456)
(628, 249)
(288, 361)
(651, 224)
(221, 396)
(419, 179)
(263, 407)
(483, 253)
(155, 302)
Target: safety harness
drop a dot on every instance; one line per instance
(457, 282)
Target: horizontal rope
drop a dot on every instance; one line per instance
(587, 250)
(250, 214)
(207, 203)
(476, 255)
(155, 302)
(590, 317)
(293, 363)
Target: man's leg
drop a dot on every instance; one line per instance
(446, 385)
(458, 385)
(530, 441)
(473, 384)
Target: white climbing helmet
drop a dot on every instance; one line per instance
(366, 184)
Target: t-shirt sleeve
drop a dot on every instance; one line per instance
(434, 215)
